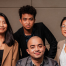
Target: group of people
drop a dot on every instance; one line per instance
(26, 47)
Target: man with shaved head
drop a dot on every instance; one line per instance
(36, 49)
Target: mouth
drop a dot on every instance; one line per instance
(65, 32)
(37, 53)
(1, 28)
(28, 26)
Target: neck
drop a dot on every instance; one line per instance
(38, 61)
(2, 37)
(28, 32)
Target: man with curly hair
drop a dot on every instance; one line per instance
(30, 28)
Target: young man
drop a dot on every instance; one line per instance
(36, 51)
(30, 28)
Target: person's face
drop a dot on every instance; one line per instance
(63, 28)
(36, 48)
(27, 21)
(3, 25)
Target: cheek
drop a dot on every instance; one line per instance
(62, 31)
(5, 25)
(64, 34)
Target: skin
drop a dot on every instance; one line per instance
(3, 25)
(27, 22)
(63, 28)
(3, 28)
(36, 49)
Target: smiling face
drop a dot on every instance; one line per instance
(27, 21)
(36, 48)
(63, 28)
(3, 25)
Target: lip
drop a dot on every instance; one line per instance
(28, 26)
(1, 28)
(38, 53)
(65, 32)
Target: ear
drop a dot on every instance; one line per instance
(34, 20)
(20, 21)
(44, 48)
(27, 51)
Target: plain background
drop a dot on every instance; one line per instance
(50, 12)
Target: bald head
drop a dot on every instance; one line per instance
(36, 47)
(34, 39)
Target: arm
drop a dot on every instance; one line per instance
(15, 55)
(51, 40)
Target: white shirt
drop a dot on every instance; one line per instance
(62, 57)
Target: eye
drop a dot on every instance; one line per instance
(32, 47)
(63, 26)
(31, 19)
(24, 19)
(4, 22)
(40, 46)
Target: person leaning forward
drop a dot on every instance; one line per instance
(36, 49)
(30, 28)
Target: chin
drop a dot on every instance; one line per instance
(37, 57)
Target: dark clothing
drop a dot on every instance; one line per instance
(43, 32)
(1, 55)
(28, 62)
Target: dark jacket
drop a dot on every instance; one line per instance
(28, 62)
(43, 32)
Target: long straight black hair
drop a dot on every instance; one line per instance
(9, 39)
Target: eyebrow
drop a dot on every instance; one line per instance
(40, 44)
(34, 45)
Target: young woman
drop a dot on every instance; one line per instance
(8, 46)
(61, 47)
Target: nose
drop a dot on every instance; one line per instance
(28, 22)
(36, 48)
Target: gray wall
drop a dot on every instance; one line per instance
(50, 12)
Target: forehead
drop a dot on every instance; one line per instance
(27, 15)
(1, 17)
(64, 22)
(35, 42)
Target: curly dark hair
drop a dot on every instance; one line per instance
(27, 9)
(9, 39)
(64, 18)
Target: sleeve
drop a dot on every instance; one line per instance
(56, 64)
(51, 40)
(15, 56)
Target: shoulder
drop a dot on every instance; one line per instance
(15, 43)
(61, 42)
(40, 23)
(54, 63)
(15, 46)
(18, 32)
(22, 61)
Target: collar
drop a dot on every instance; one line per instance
(29, 61)
(40, 64)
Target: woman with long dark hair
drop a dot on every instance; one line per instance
(8, 46)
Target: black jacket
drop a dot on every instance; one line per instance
(43, 32)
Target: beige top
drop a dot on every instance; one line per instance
(59, 49)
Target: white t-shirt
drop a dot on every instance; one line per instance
(62, 57)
